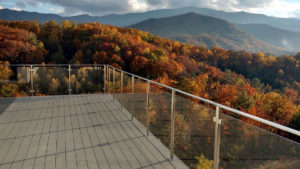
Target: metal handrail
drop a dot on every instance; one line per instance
(238, 112)
(52, 65)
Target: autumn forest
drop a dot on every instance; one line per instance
(258, 83)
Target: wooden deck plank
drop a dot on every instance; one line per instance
(52, 143)
(50, 162)
(10, 156)
(42, 150)
(5, 166)
(61, 161)
(91, 159)
(39, 163)
(81, 160)
(71, 160)
(23, 149)
(61, 142)
(33, 147)
(28, 164)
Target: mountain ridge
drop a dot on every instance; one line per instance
(205, 30)
(133, 18)
(272, 35)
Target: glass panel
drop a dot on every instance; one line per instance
(247, 146)
(117, 81)
(194, 132)
(135, 102)
(125, 97)
(14, 81)
(87, 80)
(50, 80)
(160, 113)
(140, 101)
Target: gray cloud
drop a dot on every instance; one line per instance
(20, 4)
(32, 2)
(94, 7)
(254, 3)
(297, 14)
(101, 7)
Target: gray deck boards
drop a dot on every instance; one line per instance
(76, 132)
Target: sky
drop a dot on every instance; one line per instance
(277, 8)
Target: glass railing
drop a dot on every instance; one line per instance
(199, 132)
(35, 80)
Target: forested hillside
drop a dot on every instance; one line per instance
(263, 85)
(206, 31)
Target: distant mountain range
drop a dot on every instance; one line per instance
(259, 26)
(12, 15)
(232, 17)
(205, 30)
(275, 36)
(133, 18)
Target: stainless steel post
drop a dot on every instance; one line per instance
(122, 74)
(172, 125)
(121, 89)
(31, 80)
(108, 90)
(70, 89)
(132, 92)
(107, 74)
(147, 107)
(218, 123)
(104, 78)
(114, 83)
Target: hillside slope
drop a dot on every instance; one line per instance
(204, 30)
(274, 36)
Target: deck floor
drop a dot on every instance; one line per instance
(78, 131)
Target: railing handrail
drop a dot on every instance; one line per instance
(52, 65)
(238, 112)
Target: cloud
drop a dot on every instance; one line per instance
(1, 7)
(20, 4)
(15, 9)
(281, 8)
(297, 13)
(101, 7)
(97, 7)
(32, 2)
(227, 5)
(55, 10)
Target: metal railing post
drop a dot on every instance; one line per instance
(147, 108)
(132, 92)
(108, 90)
(122, 74)
(218, 123)
(69, 89)
(31, 80)
(114, 83)
(121, 89)
(107, 85)
(172, 125)
(104, 78)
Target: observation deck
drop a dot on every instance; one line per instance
(97, 116)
